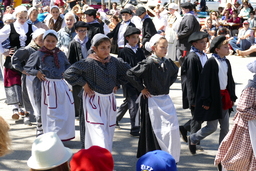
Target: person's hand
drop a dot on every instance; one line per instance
(145, 93)
(237, 42)
(6, 53)
(11, 52)
(40, 76)
(205, 107)
(88, 90)
(115, 89)
(24, 72)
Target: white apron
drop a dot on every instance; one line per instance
(165, 124)
(57, 109)
(171, 37)
(100, 120)
(29, 86)
(252, 130)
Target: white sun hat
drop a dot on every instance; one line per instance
(48, 152)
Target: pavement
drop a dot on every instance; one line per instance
(124, 145)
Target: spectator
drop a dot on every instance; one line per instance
(214, 18)
(252, 20)
(244, 40)
(103, 9)
(94, 158)
(225, 17)
(210, 29)
(156, 160)
(159, 22)
(229, 8)
(48, 152)
(114, 22)
(245, 11)
(114, 10)
(234, 18)
(5, 141)
(41, 16)
(237, 7)
(247, 52)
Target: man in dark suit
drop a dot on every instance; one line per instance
(190, 73)
(188, 25)
(118, 41)
(94, 26)
(148, 28)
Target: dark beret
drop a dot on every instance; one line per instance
(131, 31)
(81, 24)
(90, 12)
(140, 11)
(126, 10)
(198, 35)
(186, 5)
(215, 42)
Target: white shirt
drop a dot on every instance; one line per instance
(121, 31)
(203, 58)
(20, 29)
(223, 73)
(159, 22)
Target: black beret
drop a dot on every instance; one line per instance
(198, 35)
(90, 12)
(215, 42)
(140, 11)
(81, 24)
(126, 10)
(131, 31)
(186, 5)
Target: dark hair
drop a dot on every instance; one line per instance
(51, 34)
(62, 167)
(114, 3)
(252, 12)
(116, 18)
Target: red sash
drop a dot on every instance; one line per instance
(225, 98)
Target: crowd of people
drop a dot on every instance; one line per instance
(58, 65)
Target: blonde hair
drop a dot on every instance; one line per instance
(225, 42)
(5, 141)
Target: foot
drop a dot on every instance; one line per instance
(26, 120)
(199, 148)
(21, 112)
(183, 133)
(192, 147)
(135, 134)
(15, 114)
(117, 125)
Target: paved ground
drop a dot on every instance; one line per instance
(124, 146)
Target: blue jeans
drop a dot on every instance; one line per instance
(211, 127)
(243, 45)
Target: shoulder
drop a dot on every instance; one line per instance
(61, 31)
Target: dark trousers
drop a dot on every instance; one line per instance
(129, 103)
(77, 100)
(192, 125)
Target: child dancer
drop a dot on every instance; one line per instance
(236, 150)
(153, 77)
(57, 105)
(98, 74)
(131, 54)
(19, 59)
(55, 22)
(215, 95)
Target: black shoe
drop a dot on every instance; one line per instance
(183, 133)
(219, 167)
(192, 148)
(135, 134)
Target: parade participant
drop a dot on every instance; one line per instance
(131, 54)
(5, 141)
(78, 50)
(19, 34)
(190, 73)
(188, 25)
(215, 95)
(99, 75)
(148, 28)
(49, 153)
(55, 22)
(236, 150)
(19, 59)
(118, 41)
(53, 94)
(32, 19)
(153, 78)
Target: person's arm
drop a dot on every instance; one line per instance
(4, 34)
(18, 57)
(33, 64)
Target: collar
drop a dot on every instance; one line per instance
(31, 22)
(94, 21)
(218, 57)
(82, 42)
(132, 47)
(193, 49)
(127, 22)
(145, 17)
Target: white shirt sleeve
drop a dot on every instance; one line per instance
(4, 34)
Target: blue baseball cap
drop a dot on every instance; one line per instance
(157, 160)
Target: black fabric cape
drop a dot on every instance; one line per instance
(208, 93)
(190, 72)
(75, 52)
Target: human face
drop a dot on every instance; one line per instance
(81, 32)
(126, 16)
(103, 50)
(69, 20)
(50, 42)
(209, 23)
(39, 40)
(171, 11)
(55, 13)
(33, 15)
(246, 26)
(89, 18)
(22, 17)
(114, 6)
(201, 44)
(133, 39)
(160, 48)
(184, 10)
(222, 51)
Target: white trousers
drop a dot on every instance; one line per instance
(57, 109)
(100, 120)
(165, 124)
